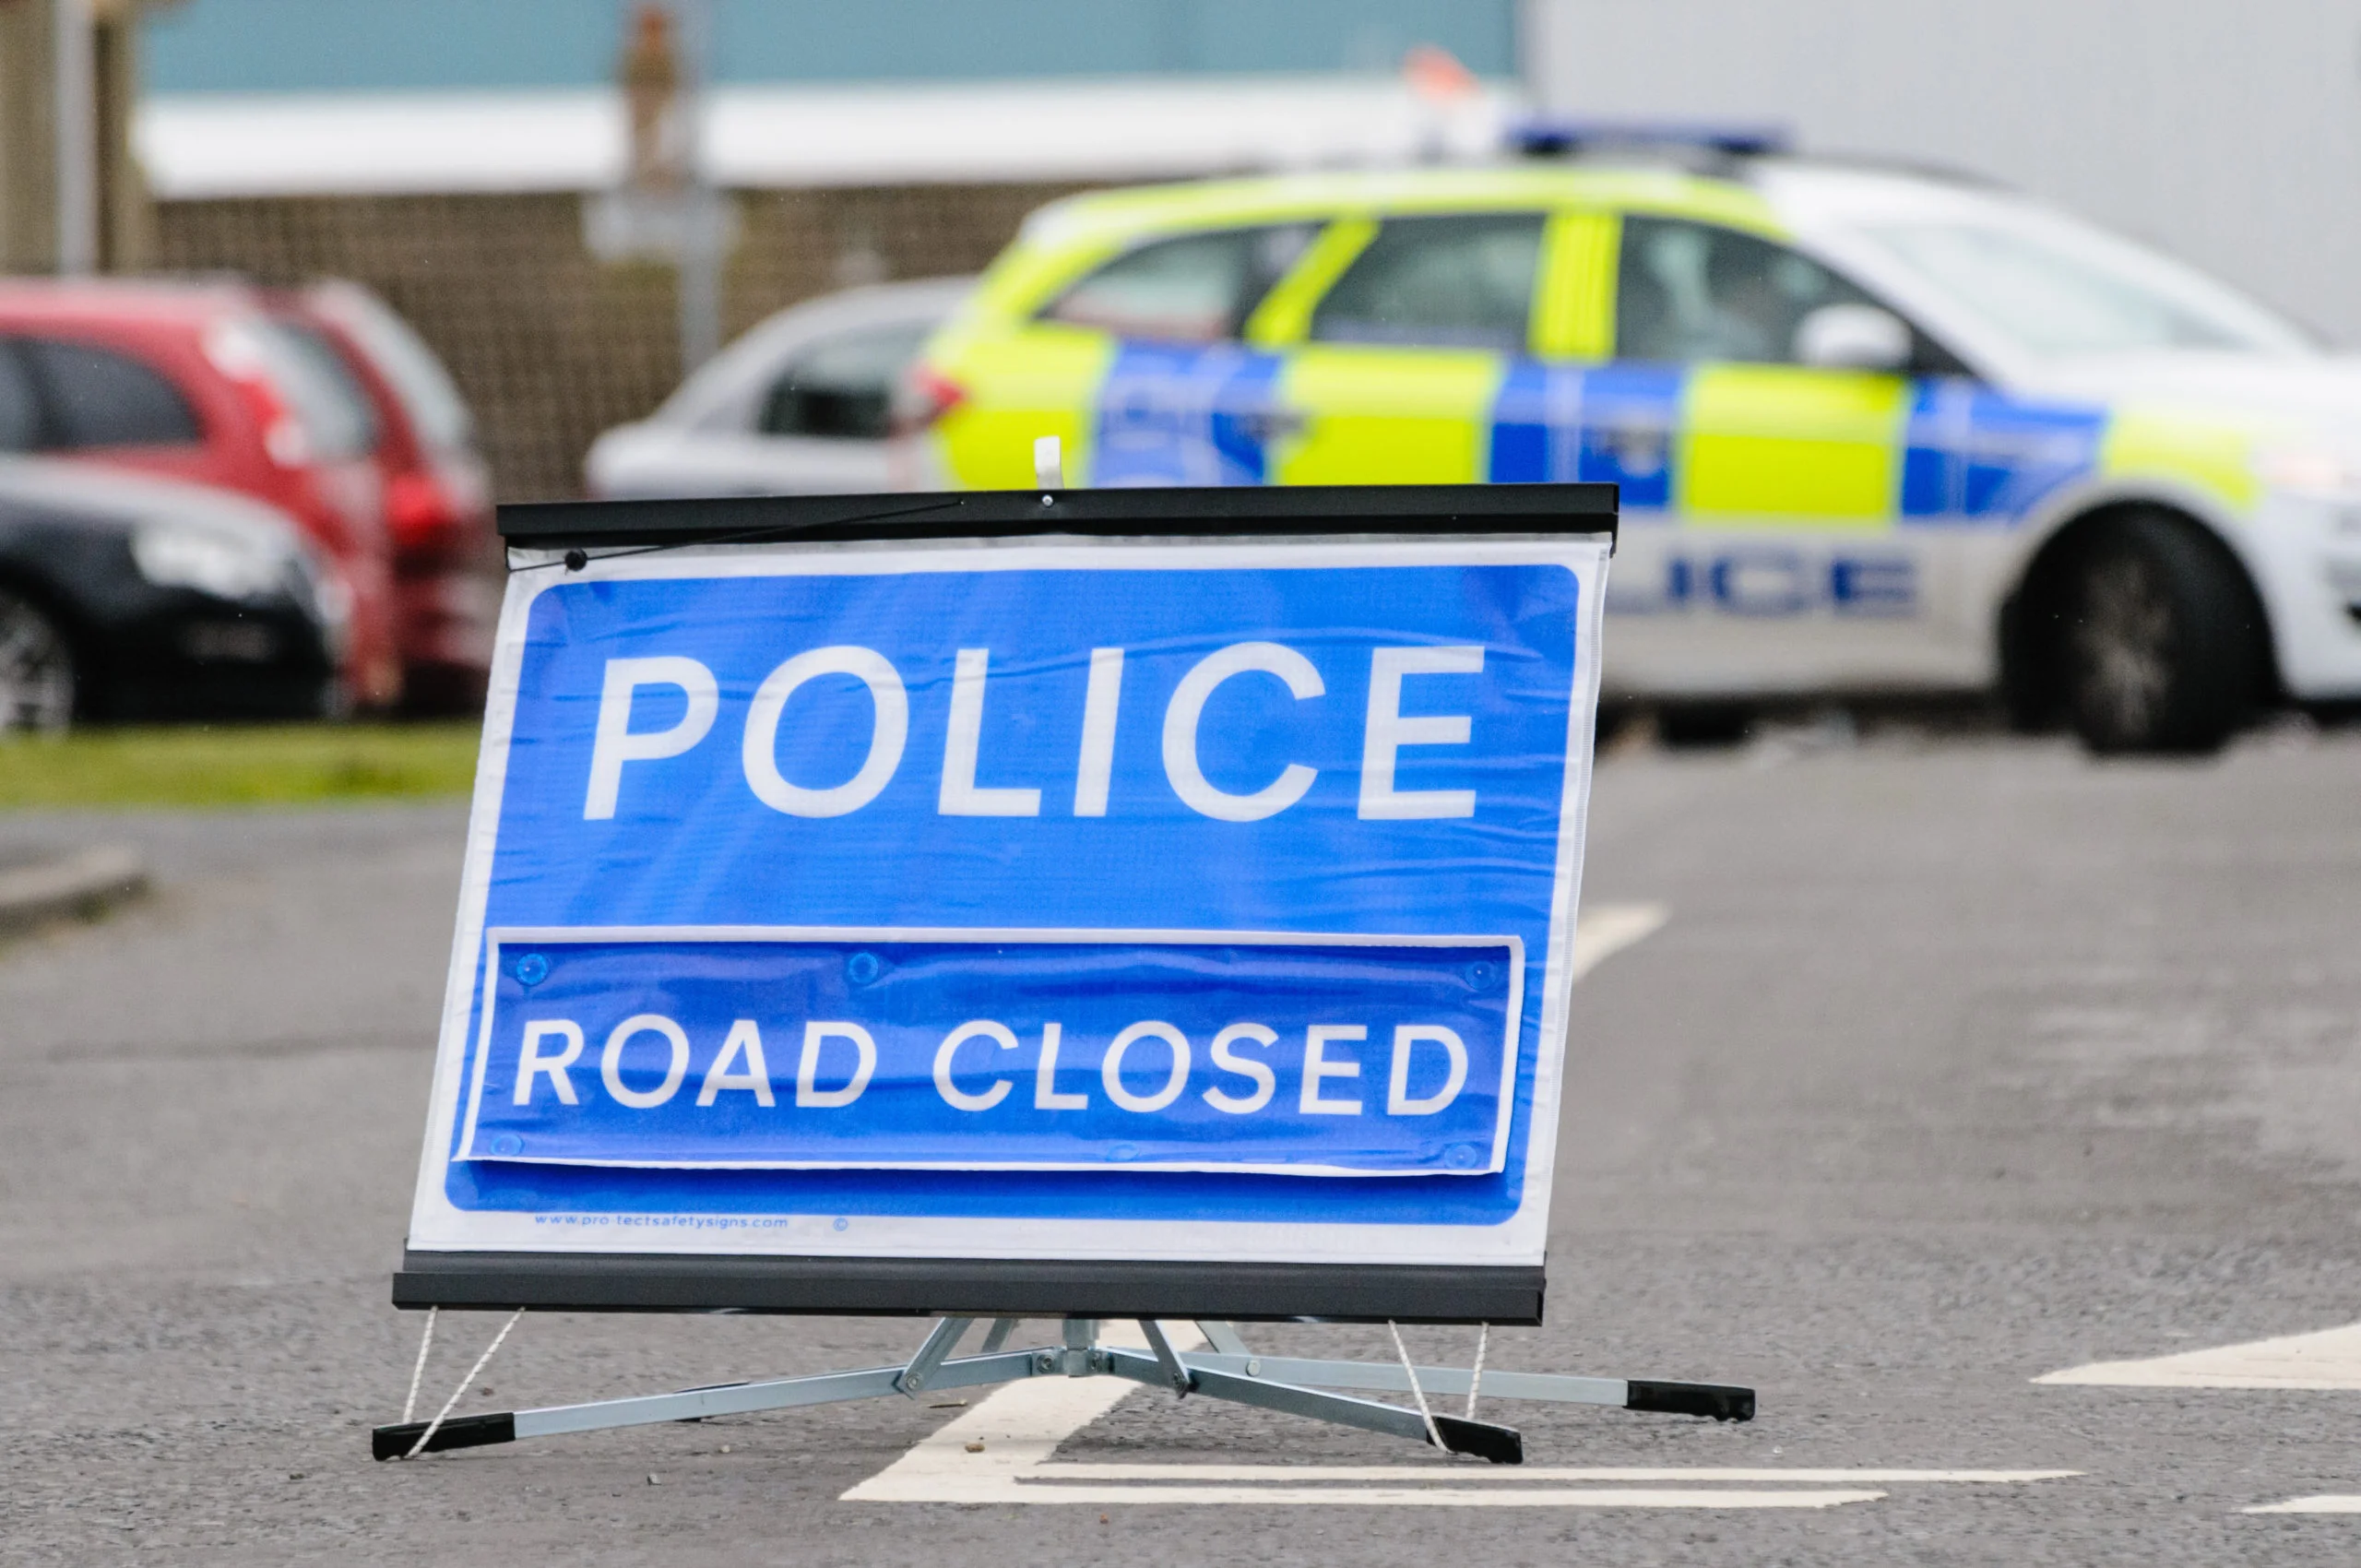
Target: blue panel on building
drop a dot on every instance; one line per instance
(329, 45)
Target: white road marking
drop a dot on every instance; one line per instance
(1605, 929)
(1437, 1496)
(2332, 1503)
(1020, 1426)
(1457, 1473)
(1018, 1430)
(2330, 1358)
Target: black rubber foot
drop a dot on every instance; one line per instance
(1502, 1446)
(1719, 1400)
(459, 1431)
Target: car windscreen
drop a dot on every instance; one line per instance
(2055, 292)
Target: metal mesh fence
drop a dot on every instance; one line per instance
(550, 344)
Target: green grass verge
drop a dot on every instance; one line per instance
(238, 765)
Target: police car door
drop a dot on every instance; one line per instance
(1405, 352)
(1775, 563)
(1183, 401)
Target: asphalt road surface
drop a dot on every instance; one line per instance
(1953, 1065)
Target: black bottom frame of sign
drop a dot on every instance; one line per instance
(1236, 1292)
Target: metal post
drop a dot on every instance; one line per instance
(701, 236)
(75, 131)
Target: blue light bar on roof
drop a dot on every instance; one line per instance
(1551, 136)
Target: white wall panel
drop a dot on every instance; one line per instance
(2228, 133)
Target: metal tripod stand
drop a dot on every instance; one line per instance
(1228, 1370)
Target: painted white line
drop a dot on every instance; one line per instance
(1437, 1496)
(1019, 1427)
(2332, 1503)
(1604, 929)
(2330, 1358)
(1458, 1474)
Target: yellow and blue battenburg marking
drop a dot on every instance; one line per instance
(1607, 424)
(1185, 415)
(1211, 415)
(1978, 455)
(1726, 448)
(1970, 454)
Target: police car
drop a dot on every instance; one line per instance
(1875, 431)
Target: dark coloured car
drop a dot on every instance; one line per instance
(123, 597)
(213, 382)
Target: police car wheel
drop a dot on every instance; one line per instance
(2160, 640)
(36, 669)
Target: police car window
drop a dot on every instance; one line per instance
(841, 387)
(99, 398)
(1191, 289)
(1693, 292)
(1454, 282)
(20, 408)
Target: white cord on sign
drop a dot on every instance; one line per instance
(409, 1406)
(1434, 1434)
(1483, 1336)
(482, 1361)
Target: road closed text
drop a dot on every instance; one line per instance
(1362, 1058)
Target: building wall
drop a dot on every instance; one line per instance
(28, 148)
(550, 346)
(2226, 131)
(327, 45)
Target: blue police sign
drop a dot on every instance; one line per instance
(1039, 899)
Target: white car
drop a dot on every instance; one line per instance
(1874, 431)
(800, 405)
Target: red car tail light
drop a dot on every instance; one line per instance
(417, 509)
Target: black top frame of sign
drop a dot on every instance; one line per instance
(1226, 513)
(991, 1287)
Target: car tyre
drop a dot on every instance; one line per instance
(37, 675)
(2162, 643)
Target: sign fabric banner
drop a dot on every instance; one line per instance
(1049, 900)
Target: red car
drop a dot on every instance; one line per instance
(448, 564)
(216, 384)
